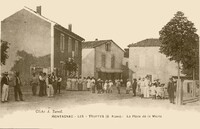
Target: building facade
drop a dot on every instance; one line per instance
(145, 59)
(48, 42)
(102, 59)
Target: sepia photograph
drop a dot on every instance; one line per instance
(99, 64)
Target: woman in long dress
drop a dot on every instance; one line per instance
(105, 87)
(146, 88)
(69, 84)
(128, 86)
(92, 85)
(73, 83)
(88, 83)
(84, 83)
(110, 86)
(142, 85)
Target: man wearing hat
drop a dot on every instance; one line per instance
(171, 90)
(4, 87)
(17, 87)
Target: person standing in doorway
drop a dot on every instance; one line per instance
(17, 88)
(4, 87)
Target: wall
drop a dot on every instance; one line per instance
(68, 48)
(25, 31)
(88, 62)
(154, 63)
(115, 50)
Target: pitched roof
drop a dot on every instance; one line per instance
(56, 24)
(93, 44)
(146, 43)
(96, 43)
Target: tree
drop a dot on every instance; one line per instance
(26, 60)
(190, 63)
(4, 52)
(70, 66)
(179, 39)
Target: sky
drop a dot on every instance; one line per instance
(123, 21)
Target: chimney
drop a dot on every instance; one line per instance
(70, 27)
(39, 9)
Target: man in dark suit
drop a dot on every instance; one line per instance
(17, 88)
(134, 86)
(171, 90)
(4, 87)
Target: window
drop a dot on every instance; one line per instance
(73, 45)
(108, 46)
(142, 60)
(62, 42)
(113, 61)
(103, 60)
(76, 48)
(69, 46)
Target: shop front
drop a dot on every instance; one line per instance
(109, 74)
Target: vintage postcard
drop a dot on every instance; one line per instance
(99, 64)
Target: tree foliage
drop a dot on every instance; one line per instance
(180, 42)
(26, 60)
(70, 66)
(4, 52)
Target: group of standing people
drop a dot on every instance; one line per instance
(155, 90)
(92, 84)
(49, 85)
(5, 85)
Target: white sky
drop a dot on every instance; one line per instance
(124, 21)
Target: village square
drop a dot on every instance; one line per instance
(46, 64)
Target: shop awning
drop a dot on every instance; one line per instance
(106, 70)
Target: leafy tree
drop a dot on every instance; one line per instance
(26, 60)
(190, 65)
(179, 42)
(4, 52)
(70, 66)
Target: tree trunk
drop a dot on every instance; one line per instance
(179, 88)
(193, 82)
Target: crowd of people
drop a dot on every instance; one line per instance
(142, 87)
(50, 85)
(91, 84)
